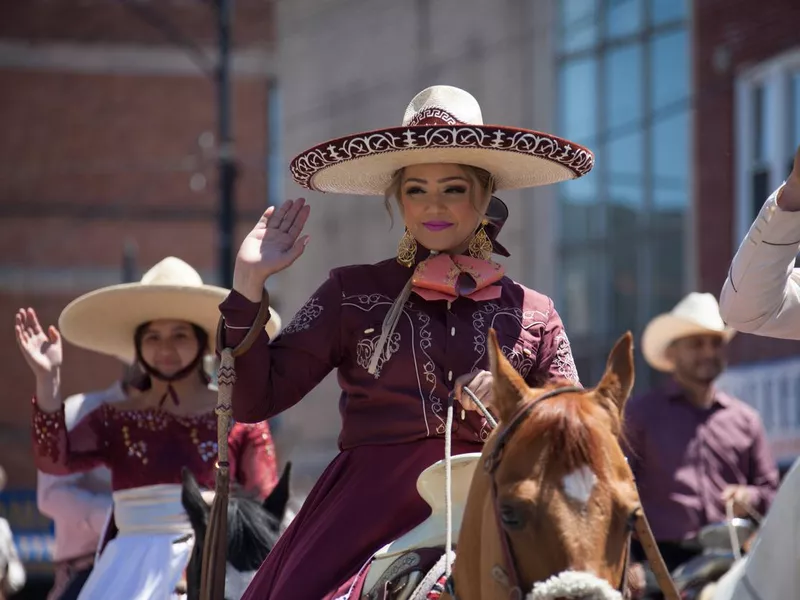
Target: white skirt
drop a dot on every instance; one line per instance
(148, 557)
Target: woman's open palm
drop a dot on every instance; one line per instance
(42, 350)
(275, 241)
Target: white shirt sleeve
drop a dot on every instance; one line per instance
(762, 292)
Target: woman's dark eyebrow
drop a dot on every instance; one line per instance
(444, 180)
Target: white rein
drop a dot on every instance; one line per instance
(729, 516)
(448, 456)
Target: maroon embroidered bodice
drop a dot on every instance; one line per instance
(434, 343)
(151, 446)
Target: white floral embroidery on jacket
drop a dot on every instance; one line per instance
(563, 360)
(302, 321)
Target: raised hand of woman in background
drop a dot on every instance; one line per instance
(43, 352)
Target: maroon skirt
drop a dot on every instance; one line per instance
(365, 499)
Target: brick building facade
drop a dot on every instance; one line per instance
(98, 67)
(108, 141)
(730, 39)
(746, 58)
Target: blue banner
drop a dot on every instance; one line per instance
(33, 532)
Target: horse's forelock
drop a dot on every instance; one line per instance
(252, 533)
(193, 503)
(574, 430)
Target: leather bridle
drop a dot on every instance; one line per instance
(508, 574)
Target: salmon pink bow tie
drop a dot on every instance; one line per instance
(445, 277)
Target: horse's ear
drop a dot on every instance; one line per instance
(509, 386)
(617, 381)
(192, 499)
(275, 503)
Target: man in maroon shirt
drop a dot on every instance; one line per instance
(691, 446)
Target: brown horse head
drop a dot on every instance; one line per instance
(554, 494)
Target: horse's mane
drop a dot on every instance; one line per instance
(572, 429)
(252, 532)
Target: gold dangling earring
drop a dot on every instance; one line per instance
(480, 246)
(407, 249)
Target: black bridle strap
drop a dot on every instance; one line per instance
(511, 571)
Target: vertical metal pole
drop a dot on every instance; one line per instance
(227, 166)
(130, 274)
(129, 252)
(274, 172)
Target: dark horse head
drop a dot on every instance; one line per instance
(253, 530)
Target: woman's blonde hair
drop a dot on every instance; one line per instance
(482, 180)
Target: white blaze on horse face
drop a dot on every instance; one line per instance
(579, 484)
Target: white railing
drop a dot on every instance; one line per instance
(773, 389)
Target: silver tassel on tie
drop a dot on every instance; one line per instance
(390, 323)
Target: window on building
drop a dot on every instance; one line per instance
(624, 87)
(768, 133)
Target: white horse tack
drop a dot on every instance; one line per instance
(448, 489)
(448, 467)
(431, 578)
(574, 584)
(431, 532)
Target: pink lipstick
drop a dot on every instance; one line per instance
(437, 225)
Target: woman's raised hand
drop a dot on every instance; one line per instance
(273, 244)
(41, 350)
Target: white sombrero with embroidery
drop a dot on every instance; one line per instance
(696, 314)
(105, 320)
(442, 124)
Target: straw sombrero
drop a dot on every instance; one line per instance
(442, 124)
(696, 314)
(105, 320)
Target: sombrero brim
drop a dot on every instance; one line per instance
(364, 163)
(105, 320)
(665, 329)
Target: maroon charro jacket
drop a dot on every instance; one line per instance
(434, 343)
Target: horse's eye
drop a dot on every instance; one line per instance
(511, 517)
